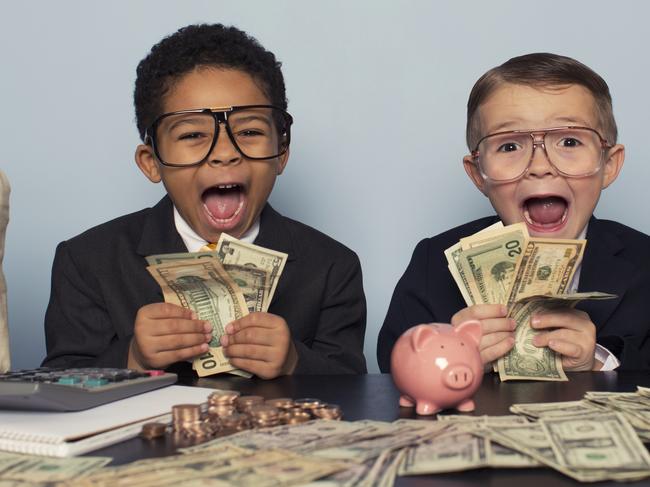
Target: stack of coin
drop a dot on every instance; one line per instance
(234, 423)
(245, 403)
(153, 430)
(297, 417)
(222, 403)
(226, 413)
(308, 403)
(328, 411)
(189, 420)
(264, 416)
(281, 403)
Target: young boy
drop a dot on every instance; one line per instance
(210, 106)
(542, 136)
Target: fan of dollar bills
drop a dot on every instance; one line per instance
(223, 285)
(594, 439)
(505, 265)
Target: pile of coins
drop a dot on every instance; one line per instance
(190, 420)
(227, 412)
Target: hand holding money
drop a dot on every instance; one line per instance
(531, 277)
(165, 333)
(261, 344)
(570, 333)
(221, 288)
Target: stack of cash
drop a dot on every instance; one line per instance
(504, 265)
(220, 286)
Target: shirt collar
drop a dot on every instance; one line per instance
(194, 242)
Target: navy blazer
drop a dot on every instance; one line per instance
(100, 281)
(616, 260)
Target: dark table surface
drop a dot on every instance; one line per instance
(374, 396)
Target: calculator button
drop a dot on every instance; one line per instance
(69, 380)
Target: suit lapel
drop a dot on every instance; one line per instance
(603, 269)
(274, 234)
(159, 235)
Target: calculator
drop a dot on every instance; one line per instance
(74, 389)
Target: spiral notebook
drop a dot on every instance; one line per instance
(58, 434)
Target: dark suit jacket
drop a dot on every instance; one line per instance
(100, 281)
(616, 261)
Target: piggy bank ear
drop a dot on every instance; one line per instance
(472, 329)
(422, 336)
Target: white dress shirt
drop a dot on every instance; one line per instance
(194, 242)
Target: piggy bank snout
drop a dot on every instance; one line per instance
(458, 377)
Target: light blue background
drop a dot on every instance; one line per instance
(378, 91)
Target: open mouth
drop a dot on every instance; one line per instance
(546, 213)
(224, 202)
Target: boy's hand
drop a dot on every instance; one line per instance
(572, 335)
(165, 333)
(498, 337)
(260, 343)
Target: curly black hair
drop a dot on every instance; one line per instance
(209, 45)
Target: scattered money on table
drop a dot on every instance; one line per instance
(505, 265)
(247, 440)
(223, 285)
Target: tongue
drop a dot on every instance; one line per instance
(222, 204)
(546, 210)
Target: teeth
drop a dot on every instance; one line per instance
(527, 217)
(227, 186)
(530, 221)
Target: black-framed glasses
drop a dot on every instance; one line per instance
(187, 137)
(573, 151)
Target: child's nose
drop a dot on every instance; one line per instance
(540, 164)
(224, 150)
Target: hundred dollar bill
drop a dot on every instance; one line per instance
(525, 361)
(206, 288)
(492, 259)
(233, 251)
(547, 266)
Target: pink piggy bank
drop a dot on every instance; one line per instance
(438, 366)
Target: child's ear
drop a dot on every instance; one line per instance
(473, 172)
(282, 162)
(146, 161)
(613, 164)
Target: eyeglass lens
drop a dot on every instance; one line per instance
(574, 152)
(257, 133)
